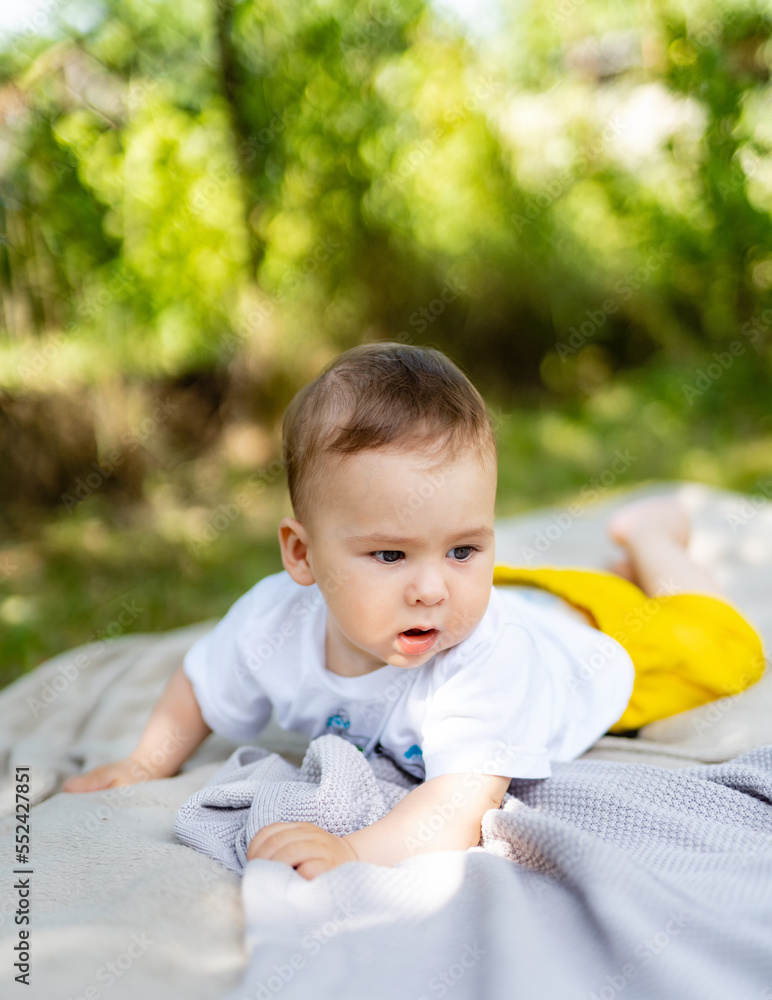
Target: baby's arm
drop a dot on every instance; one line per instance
(173, 731)
(442, 814)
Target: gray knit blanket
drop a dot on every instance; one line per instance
(606, 880)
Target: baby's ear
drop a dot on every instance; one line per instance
(293, 540)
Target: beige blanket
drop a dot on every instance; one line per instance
(121, 909)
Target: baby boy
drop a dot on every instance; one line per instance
(392, 634)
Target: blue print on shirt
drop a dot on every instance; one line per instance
(414, 751)
(339, 722)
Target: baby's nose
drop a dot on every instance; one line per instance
(428, 587)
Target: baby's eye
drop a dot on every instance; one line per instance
(467, 550)
(387, 552)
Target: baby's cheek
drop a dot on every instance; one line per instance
(463, 624)
(364, 609)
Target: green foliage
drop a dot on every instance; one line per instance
(278, 180)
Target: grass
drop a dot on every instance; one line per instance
(188, 552)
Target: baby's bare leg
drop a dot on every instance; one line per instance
(655, 534)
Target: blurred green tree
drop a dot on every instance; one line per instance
(586, 188)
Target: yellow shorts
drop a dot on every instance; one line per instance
(687, 649)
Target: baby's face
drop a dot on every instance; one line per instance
(428, 565)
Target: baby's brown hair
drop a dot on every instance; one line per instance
(375, 395)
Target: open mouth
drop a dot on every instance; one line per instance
(417, 640)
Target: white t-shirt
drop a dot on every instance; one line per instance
(528, 686)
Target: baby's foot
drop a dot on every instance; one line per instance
(623, 568)
(642, 520)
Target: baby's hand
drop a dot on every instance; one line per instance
(121, 772)
(309, 849)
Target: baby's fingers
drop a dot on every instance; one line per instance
(271, 837)
(295, 852)
(92, 781)
(115, 775)
(313, 867)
